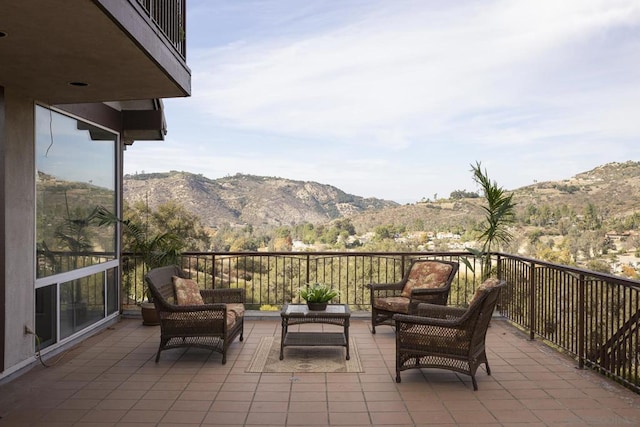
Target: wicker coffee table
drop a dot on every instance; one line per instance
(296, 314)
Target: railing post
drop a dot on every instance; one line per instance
(532, 301)
(213, 271)
(308, 267)
(582, 351)
(501, 294)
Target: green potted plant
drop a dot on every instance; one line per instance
(318, 295)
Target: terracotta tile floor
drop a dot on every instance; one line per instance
(111, 380)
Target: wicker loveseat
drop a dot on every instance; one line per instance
(425, 281)
(444, 337)
(210, 320)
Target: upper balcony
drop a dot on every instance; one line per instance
(63, 52)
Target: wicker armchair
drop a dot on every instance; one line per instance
(447, 337)
(426, 281)
(212, 324)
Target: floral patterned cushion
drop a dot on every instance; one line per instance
(395, 304)
(235, 311)
(426, 274)
(187, 291)
(487, 284)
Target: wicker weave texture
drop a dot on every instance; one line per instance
(381, 293)
(446, 337)
(210, 326)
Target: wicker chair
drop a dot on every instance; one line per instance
(443, 337)
(426, 281)
(212, 325)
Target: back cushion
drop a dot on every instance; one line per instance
(426, 274)
(487, 284)
(187, 291)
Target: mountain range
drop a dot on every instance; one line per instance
(613, 189)
(248, 199)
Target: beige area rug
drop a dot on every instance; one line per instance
(303, 359)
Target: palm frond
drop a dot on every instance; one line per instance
(498, 214)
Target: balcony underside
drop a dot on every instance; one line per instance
(111, 46)
(112, 378)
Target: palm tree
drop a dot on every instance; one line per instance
(499, 213)
(156, 250)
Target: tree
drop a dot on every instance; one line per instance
(344, 224)
(499, 213)
(172, 218)
(156, 249)
(463, 194)
(591, 217)
(599, 265)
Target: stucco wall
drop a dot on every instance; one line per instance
(19, 191)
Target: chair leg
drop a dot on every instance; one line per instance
(475, 384)
(488, 368)
(373, 320)
(398, 379)
(163, 342)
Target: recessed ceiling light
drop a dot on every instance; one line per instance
(79, 84)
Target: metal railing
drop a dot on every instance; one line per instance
(273, 278)
(169, 16)
(590, 316)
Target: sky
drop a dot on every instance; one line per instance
(396, 99)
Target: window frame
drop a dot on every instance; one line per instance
(104, 268)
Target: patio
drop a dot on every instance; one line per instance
(111, 379)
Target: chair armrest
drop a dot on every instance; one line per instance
(438, 311)
(216, 307)
(232, 295)
(374, 287)
(383, 289)
(428, 295)
(428, 291)
(411, 319)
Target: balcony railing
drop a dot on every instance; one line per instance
(273, 278)
(590, 316)
(169, 16)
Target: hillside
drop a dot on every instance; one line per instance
(443, 215)
(247, 199)
(612, 189)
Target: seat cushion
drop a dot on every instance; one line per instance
(395, 304)
(235, 311)
(187, 291)
(426, 275)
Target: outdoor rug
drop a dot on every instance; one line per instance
(303, 359)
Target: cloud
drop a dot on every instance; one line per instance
(396, 98)
(405, 71)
